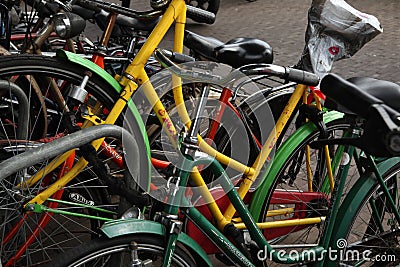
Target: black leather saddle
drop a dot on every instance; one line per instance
(358, 95)
(236, 52)
(388, 92)
(124, 25)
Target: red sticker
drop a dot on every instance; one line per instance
(334, 50)
(162, 112)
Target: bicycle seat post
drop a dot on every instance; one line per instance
(191, 137)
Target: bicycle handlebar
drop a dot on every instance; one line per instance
(287, 73)
(300, 76)
(111, 7)
(200, 15)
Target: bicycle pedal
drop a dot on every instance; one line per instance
(224, 259)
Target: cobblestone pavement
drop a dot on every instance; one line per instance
(282, 23)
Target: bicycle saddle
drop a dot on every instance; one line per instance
(236, 52)
(387, 92)
(380, 131)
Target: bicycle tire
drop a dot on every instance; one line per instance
(60, 69)
(289, 191)
(90, 253)
(257, 127)
(362, 237)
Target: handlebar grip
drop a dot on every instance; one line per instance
(302, 77)
(348, 94)
(200, 15)
(88, 5)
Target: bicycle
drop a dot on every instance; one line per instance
(140, 242)
(92, 81)
(40, 133)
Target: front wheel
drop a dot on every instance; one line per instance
(118, 252)
(30, 239)
(370, 234)
(292, 197)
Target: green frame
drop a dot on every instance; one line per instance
(280, 158)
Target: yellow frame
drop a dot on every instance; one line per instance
(136, 75)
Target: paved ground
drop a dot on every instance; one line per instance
(282, 23)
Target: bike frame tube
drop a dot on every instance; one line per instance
(336, 196)
(355, 198)
(281, 156)
(216, 236)
(285, 223)
(268, 146)
(308, 156)
(381, 182)
(375, 214)
(44, 171)
(327, 184)
(42, 222)
(328, 164)
(225, 95)
(244, 213)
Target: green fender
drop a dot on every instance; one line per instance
(107, 77)
(353, 200)
(136, 226)
(280, 158)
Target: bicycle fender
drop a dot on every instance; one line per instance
(109, 79)
(135, 226)
(353, 200)
(280, 158)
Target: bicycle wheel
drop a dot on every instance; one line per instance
(117, 252)
(370, 236)
(259, 113)
(290, 196)
(45, 123)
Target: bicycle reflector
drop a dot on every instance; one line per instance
(68, 25)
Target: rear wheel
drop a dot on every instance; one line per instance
(36, 75)
(371, 236)
(291, 198)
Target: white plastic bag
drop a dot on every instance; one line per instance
(335, 31)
